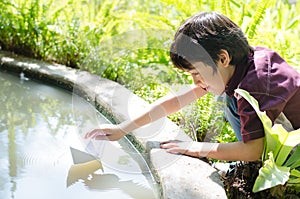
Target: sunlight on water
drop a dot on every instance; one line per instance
(37, 129)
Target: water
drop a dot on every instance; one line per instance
(38, 125)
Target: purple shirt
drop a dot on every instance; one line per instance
(273, 83)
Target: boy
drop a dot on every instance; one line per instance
(214, 50)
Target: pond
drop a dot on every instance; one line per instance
(39, 127)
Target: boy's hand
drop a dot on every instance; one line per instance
(106, 132)
(182, 147)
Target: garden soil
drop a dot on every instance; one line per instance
(240, 180)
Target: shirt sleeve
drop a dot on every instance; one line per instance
(251, 125)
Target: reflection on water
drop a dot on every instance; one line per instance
(105, 182)
(37, 128)
(82, 171)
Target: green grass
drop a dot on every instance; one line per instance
(128, 42)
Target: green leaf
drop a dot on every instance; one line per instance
(293, 22)
(270, 175)
(294, 177)
(295, 172)
(294, 160)
(288, 140)
(257, 18)
(294, 181)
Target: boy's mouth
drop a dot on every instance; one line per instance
(205, 88)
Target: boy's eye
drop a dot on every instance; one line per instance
(195, 74)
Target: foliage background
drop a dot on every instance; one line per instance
(128, 41)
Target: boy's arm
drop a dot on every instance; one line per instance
(159, 109)
(243, 151)
(163, 107)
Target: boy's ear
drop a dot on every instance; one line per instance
(224, 58)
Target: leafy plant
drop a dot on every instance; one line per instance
(257, 18)
(285, 18)
(279, 167)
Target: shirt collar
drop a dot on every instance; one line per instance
(239, 73)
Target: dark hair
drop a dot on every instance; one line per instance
(201, 38)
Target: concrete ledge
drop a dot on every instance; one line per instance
(180, 176)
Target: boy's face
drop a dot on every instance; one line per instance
(210, 80)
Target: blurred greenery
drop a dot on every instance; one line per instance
(30, 105)
(128, 42)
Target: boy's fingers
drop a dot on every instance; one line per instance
(168, 145)
(94, 133)
(176, 150)
(100, 137)
(89, 134)
(170, 141)
(107, 137)
(174, 147)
